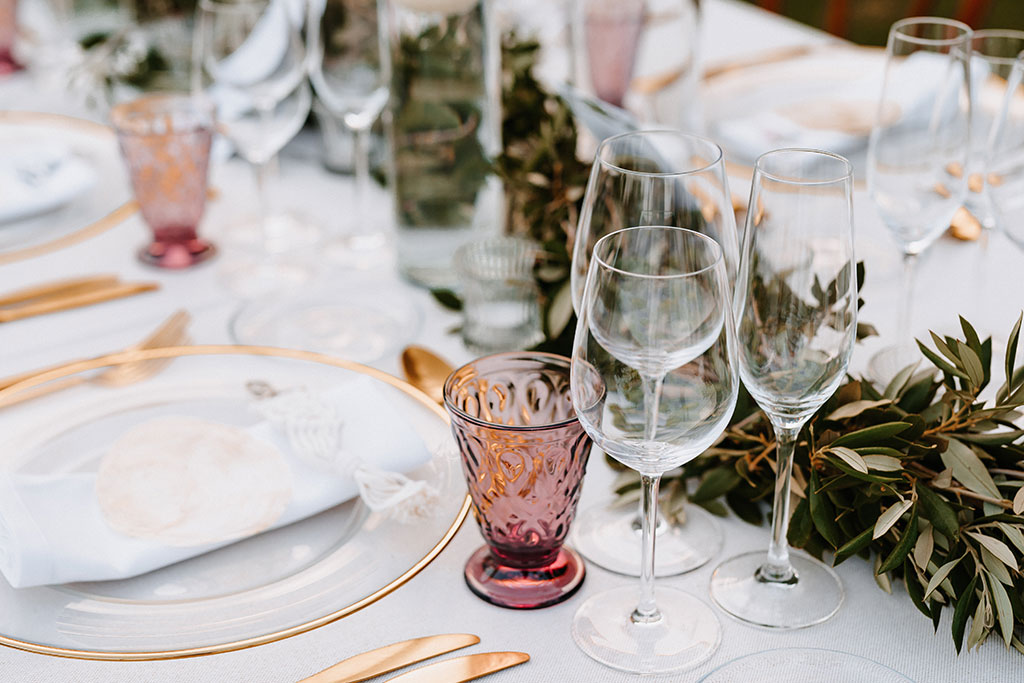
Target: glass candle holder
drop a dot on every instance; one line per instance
(523, 454)
(165, 142)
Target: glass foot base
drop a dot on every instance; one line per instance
(687, 633)
(174, 255)
(518, 588)
(814, 596)
(789, 664)
(610, 537)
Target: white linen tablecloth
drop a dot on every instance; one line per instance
(984, 285)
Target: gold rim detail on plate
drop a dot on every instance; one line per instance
(268, 351)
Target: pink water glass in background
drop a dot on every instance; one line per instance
(165, 142)
(523, 454)
(8, 31)
(612, 33)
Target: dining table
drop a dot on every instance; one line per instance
(980, 280)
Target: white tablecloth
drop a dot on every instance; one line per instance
(985, 285)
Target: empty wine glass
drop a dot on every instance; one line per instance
(1006, 158)
(918, 151)
(796, 302)
(654, 384)
(250, 59)
(656, 177)
(350, 71)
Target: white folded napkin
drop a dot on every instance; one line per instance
(53, 529)
(37, 176)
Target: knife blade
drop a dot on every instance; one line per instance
(460, 669)
(367, 665)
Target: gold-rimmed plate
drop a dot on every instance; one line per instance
(262, 589)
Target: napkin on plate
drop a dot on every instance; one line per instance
(53, 529)
(37, 176)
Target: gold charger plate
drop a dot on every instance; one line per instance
(262, 589)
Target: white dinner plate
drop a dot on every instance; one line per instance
(804, 665)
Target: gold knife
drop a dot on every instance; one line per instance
(76, 299)
(459, 669)
(370, 664)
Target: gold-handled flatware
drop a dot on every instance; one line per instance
(459, 669)
(426, 371)
(171, 332)
(389, 658)
(74, 298)
(49, 290)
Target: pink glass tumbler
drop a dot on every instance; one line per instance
(8, 32)
(165, 142)
(523, 454)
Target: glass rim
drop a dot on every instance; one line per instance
(847, 175)
(124, 114)
(552, 358)
(717, 250)
(998, 33)
(896, 29)
(609, 141)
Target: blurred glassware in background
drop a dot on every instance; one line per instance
(337, 146)
(249, 57)
(444, 127)
(641, 55)
(918, 151)
(350, 71)
(1006, 157)
(993, 53)
(8, 33)
(500, 299)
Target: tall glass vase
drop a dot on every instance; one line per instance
(444, 127)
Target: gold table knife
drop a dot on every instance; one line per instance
(459, 669)
(370, 664)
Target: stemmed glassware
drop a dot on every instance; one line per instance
(1006, 157)
(350, 70)
(655, 177)
(251, 60)
(918, 151)
(654, 384)
(796, 303)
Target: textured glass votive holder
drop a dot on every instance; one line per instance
(524, 454)
(500, 300)
(165, 142)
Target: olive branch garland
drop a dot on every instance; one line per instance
(923, 477)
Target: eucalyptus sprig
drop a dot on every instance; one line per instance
(923, 477)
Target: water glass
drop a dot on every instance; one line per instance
(8, 31)
(501, 305)
(165, 142)
(523, 454)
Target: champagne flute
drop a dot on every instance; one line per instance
(796, 302)
(350, 71)
(1006, 158)
(655, 177)
(654, 384)
(918, 151)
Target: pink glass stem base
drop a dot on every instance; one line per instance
(519, 588)
(178, 253)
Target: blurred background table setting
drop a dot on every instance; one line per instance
(317, 335)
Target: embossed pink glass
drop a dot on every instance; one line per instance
(8, 31)
(165, 141)
(523, 454)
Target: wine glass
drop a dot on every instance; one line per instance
(656, 177)
(350, 71)
(250, 58)
(918, 151)
(1006, 158)
(796, 303)
(654, 384)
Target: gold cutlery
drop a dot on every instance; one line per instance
(426, 371)
(459, 669)
(59, 288)
(66, 295)
(385, 659)
(172, 332)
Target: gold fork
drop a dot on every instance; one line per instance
(172, 332)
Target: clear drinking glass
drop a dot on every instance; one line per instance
(918, 151)
(656, 177)
(350, 70)
(1005, 173)
(251, 60)
(654, 384)
(796, 302)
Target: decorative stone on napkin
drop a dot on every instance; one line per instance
(175, 487)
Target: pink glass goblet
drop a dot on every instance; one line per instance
(523, 454)
(165, 142)
(8, 32)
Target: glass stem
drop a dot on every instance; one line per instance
(778, 569)
(260, 172)
(646, 611)
(361, 161)
(907, 302)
